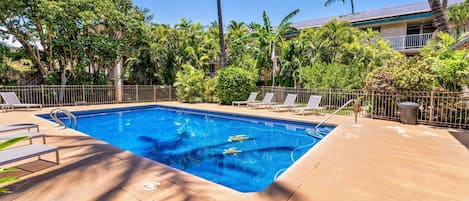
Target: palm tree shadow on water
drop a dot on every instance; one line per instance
(164, 152)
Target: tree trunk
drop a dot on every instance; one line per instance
(63, 82)
(439, 14)
(221, 34)
(444, 3)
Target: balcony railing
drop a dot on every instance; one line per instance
(413, 41)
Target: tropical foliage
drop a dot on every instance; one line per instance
(233, 84)
(407, 74)
(62, 37)
(459, 15)
(209, 90)
(189, 84)
(437, 67)
(329, 2)
(451, 67)
(81, 42)
(335, 55)
(264, 40)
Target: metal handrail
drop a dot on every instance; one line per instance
(316, 128)
(54, 115)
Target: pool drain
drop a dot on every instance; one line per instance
(150, 186)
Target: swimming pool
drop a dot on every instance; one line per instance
(242, 152)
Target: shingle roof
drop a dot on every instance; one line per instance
(406, 9)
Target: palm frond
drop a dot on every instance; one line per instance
(267, 25)
(248, 37)
(329, 2)
(10, 142)
(287, 18)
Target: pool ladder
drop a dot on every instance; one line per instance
(56, 111)
(317, 133)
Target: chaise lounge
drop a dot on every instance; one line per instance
(12, 101)
(265, 102)
(289, 103)
(16, 127)
(251, 99)
(313, 104)
(28, 151)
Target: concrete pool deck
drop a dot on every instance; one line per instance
(373, 160)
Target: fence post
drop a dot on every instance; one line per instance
(432, 105)
(43, 99)
(169, 95)
(154, 93)
(83, 92)
(330, 98)
(136, 93)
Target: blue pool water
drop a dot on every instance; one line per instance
(195, 141)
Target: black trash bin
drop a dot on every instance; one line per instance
(408, 112)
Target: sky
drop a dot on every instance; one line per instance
(205, 11)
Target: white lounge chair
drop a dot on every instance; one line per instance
(12, 101)
(265, 102)
(4, 107)
(15, 127)
(31, 135)
(251, 99)
(313, 104)
(289, 103)
(28, 151)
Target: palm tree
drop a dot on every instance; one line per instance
(220, 34)
(268, 39)
(439, 13)
(459, 15)
(329, 2)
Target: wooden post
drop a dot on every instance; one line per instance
(136, 93)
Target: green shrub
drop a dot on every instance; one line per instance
(325, 76)
(234, 83)
(410, 74)
(189, 84)
(209, 90)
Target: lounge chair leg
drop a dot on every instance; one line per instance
(30, 141)
(57, 156)
(44, 139)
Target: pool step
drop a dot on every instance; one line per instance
(316, 133)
